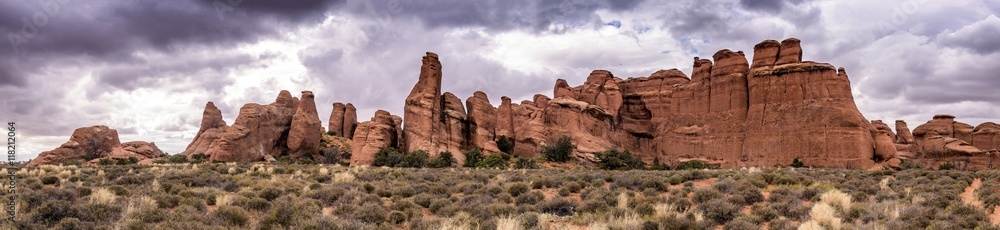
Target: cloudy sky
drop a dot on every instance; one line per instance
(147, 67)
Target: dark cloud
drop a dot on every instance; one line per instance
(982, 37)
(501, 15)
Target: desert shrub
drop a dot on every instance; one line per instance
(505, 144)
(286, 211)
(558, 206)
(703, 195)
(659, 166)
(177, 158)
(371, 213)
(947, 165)
(691, 164)
(444, 160)
(387, 157)
(719, 210)
(516, 189)
(73, 223)
(269, 193)
(416, 159)
(561, 151)
(50, 180)
(530, 198)
(796, 163)
(255, 203)
(613, 159)
(229, 216)
(740, 224)
(52, 211)
(166, 201)
(493, 161)
(438, 204)
(526, 163)
(396, 217)
(472, 157)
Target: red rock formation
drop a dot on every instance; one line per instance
(306, 130)
(943, 139)
(259, 130)
(94, 141)
(381, 132)
(212, 128)
(454, 137)
(140, 150)
(903, 135)
(482, 123)
(986, 136)
(505, 119)
(336, 122)
(350, 120)
(423, 108)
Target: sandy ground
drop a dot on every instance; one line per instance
(969, 197)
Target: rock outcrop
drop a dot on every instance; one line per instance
(85, 143)
(730, 113)
(350, 120)
(139, 150)
(259, 130)
(382, 131)
(212, 128)
(482, 123)
(336, 122)
(423, 110)
(306, 129)
(942, 139)
(903, 134)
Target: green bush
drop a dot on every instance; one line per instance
(178, 158)
(493, 161)
(658, 166)
(505, 144)
(444, 160)
(619, 160)
(517, 189)
(796, 163)
(416, 159)
(692, 164)
(472, 157)
(561, 151)
(50, 180)
(389, 157)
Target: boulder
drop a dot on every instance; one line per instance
(85, 143)
(382, 131)
(140, 150)
(306, 129)
(903, 135)
(259, 130)
(212, 128)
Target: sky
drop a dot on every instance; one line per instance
(147, 67)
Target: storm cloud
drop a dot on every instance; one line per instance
(148, 67)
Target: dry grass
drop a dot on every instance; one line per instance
(509, 223)
(837, 199)
(102, 196)
(825, 214)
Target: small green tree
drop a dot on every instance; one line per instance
(493, 161)
(445, 159)
(657, 165)
(692, 164)
(388, 156)
(561, 151)
(416, 159)
(505, 144)
(796, 163)
(619, 160)
(472, 157)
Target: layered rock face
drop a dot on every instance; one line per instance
(423, 110)
(730, 113)
(306, 129)
(942, 139)
(382, 131)
(259, 130)
(212, 128)
(95, 141)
